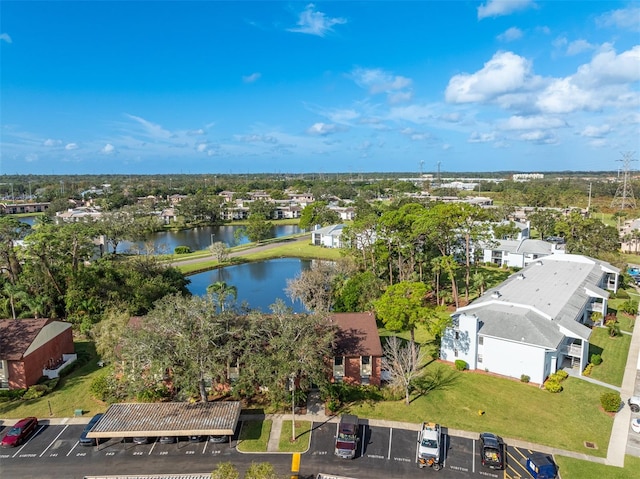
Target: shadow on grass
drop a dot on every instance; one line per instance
(438, 378)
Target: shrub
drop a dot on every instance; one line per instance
(630, 307)
(622, 294)
(524, 378)
(11, 394)
(610, 401)
(560, 375)
(182, 250)
(587, 370)
(596, 359)
(552, 386)
(461, 364)
(36, 391)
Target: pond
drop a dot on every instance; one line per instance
(259, 283)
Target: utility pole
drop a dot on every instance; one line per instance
(624, 194)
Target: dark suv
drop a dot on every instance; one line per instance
(491, 450)
(347, 438)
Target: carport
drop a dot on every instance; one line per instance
(168, 419)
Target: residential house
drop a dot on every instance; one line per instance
(329, 236)
(535, 322)
(357, 351)
(81, 213)
(32, 348)
(519, 253)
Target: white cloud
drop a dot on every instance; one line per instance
(201, 147)
(254, 138)
(481, 137)
(592, 131)
(539, 136)
(342, 116)
(322, 129)
(510, 35)
(400, 97)
(315, 23)
(414, 113)
(5, 37)
(197, 132)
(497, 8)
(533, 123)
(454, 117)
(377, 80)
(108, 149)
(154, 130)
(71, 146)
(251, 78)
(52, 142)
(579, 46)
(626, 18)
(506, 72)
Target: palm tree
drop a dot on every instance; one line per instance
(222, 292)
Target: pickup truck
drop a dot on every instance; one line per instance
(491, 450)
(429, 446)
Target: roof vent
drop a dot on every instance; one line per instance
(520, 276)
(495, 294)
(538, 263)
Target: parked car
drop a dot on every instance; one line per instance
(347, 438)
(167, 439)
(90, 441)
(491, 450)
(635, 424)
(19, 432)
(634, 403)
(196, 438)
(218, 439)
(140, 440)
(541, 466)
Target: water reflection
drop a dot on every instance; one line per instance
(259, 283)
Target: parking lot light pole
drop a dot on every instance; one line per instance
(293, 408)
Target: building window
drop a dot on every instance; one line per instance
(365, 366)
(479, 358)
(455, 353)
(457, 334)
(480, 340)
(337, 361)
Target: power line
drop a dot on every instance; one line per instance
(624, 194)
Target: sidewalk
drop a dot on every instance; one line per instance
(620, 431)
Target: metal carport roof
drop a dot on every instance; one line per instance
(168, 419)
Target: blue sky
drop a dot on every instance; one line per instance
(275, 87)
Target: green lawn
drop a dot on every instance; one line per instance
(511, 409)
(71, 393)
(614, 352)
(576, 469)
(254, 436)
(303, 436)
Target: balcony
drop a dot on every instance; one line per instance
(66, 360)
(572, 350)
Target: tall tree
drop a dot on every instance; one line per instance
(314, 287)
(317, 213)
(223, 295)
(404, 363)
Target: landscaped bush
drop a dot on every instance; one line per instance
(587, 371)
(11, 394)
(610, 401)
(552, 386)
(561, 374)
(182, 250)
(622, 294)
(153, 394)
(36, 391)
(596, 359)
(461, 364)
(630, 307)
(524, 378)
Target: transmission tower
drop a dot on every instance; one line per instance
(624, 194)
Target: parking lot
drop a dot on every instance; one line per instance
(382, 453)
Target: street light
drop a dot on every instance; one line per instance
(292, 388)
(212, 235)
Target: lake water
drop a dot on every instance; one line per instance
(259, 283)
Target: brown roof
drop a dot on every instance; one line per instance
(16, 335)
(357, 335)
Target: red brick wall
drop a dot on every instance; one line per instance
(35, 362)
(352, 371)
(16, 375)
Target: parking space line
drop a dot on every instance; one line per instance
(417, 447)
(30, 439)
(473, 456)
(516, 461)
(364, 435)
(206, 442)
(74, 446)
(153, 445)
(390, 437)
(56, 438)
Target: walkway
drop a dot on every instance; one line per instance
(574, 373)
(620, 431)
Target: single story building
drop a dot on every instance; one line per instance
(535, 322)
(32, 348)
(329, 236)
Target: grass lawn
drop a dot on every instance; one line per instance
(614, 352)
(71, 393)
(576, 469)
(254, 436)
(511, 409)
(303, 436)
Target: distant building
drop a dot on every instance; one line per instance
(527, 176)
(329, 236)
